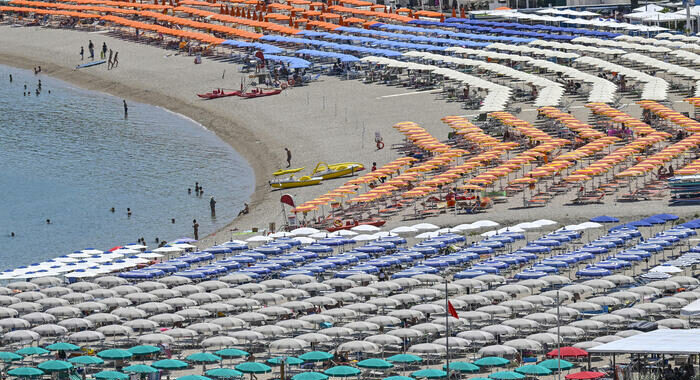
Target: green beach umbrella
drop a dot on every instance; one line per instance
(203, 357)
(506, 375)
(552, 365)
(375, 363)
(33, 350)
(290, 360)
(9, 356)
(111, 375)
(55, 366)
(86, 360)
(139, 368)
(193, 377)
(223, 373)
(533, 369)
(405, 358)
(316, 356)
(342, 371)
(231, 353)
(429, 373)
(169, 364)
(25, 372)
(253, 367)
(491, 361)
(310, 376)
(114, 354)
(398, 378)
(144, 350)
(462, 367)
(62, 346)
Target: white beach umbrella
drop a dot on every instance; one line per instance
(477, 336)
(155, 339)
(218, 342)
(497, 350)
(358, 346)
(315, 338)
(86, 337)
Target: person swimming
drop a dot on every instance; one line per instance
(128, 213)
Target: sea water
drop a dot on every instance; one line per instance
(71, 155)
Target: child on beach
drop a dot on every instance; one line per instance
(82, 53)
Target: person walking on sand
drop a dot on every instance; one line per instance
(195, 228)
(126, 109)
(289, 157)
(109, 61)
(91, 49)
(212, 206)
(82, 53)
(115, 61)
(104, 50)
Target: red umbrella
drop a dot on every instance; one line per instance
(568, 352)
(585, 375)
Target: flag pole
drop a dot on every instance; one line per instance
(447, 331)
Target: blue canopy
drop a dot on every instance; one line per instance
(604, 219)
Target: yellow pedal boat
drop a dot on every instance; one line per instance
(287, 171)
(291, 182)
(342, 169)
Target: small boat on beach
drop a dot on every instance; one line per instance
(350, 223)
(218, 94)
(257, 93)
(342, 169)
(292, 182)
(287, 171)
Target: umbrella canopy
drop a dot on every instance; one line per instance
(404, 358)
(144, 350)
(585, 375)
(203, 357)
(139, 368)
(533, 369)
(114, 354)
(169, 364)
(9, 356)
(374, 363)
(25, 372)
(231, 353)
(253, 367)
(111, 375)
(462, 367)
(290, 360)
(429, 373)
(309, 376)
(85, 360)
(33, 350)
(342, 371)
(567, 352)
(398, 378)
(316, 356)
(554, 364)
(223, 373)
(491, 361)
(193, 377)
(506, 375)
(55, 366)
(62, 346)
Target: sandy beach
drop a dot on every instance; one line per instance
(330, 120)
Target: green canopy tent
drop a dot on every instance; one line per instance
(9, 356)
(114, 354)
(62, 346)
(506, 375)
(533, 370)
(342, 371)
(253, 367)
(231, 353)
(193, 377)
(32, 350)
(404, 358)
(554, 364)
(375, 364)
(398, 378)
(316, 356)
(223, 373)
(289, 360)
(55, 366)
(169, 364)
(111, 375)
(203, 357)
(429, 373)
(144, 350)
(85, 360)
(491, 361)
(139, 368)
(310, 376)
(463, 367)
(25, 372)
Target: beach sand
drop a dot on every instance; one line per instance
(330, 120)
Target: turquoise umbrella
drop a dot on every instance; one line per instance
(193, 377)
(85, 360)
(111, 375)
(144, 350)
(203, 357)
(139, 368)
(310, 376)
(533, 369)
(33, 350)
(552, 365)
(405, 358)
(506, 375)
(429, 373)
(462, 367)
(231, 353)
(9, 356)
(290, 360)
(316, 356)
(55, 366)
(223, 373)
(253, 367)
(375, 363)
(25, 372)
(491, 361)
(169, 364)
(398, 378)
(114, 354)
(342, 371)
(62, 346)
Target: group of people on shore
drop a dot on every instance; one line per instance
(112, 61)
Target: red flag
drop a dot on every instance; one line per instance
(451, 310)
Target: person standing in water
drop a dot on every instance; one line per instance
(212, 206)
(126, 109)
(195, 228)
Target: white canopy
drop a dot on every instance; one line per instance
(691, 309)
(666, 341)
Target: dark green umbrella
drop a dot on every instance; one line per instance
(405, 358)
(342, 371)
(114, 354)
(316, 356)
(9, 356)
(231, 353)
(223, 373)
(310, 376)
(253, 367)
(375, 363)
(55, 366)
(62, 346)
(533, 369)
(290, 360)
(429, 373)
(111, 375)
(491, 361)
(193, 377)
(552, 365)
(398, 378)
(462, 367)
(139, 368)
(25, 372)
(203, 357)
(506, 375)
(32, 350)
(85, 360)
(144, 350)
(169, 364)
